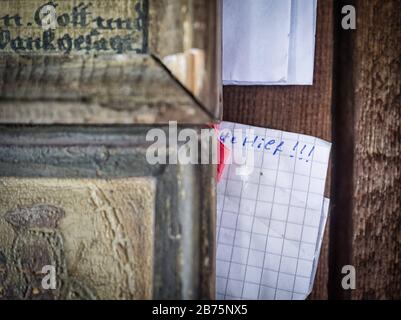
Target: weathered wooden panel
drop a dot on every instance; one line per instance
(109, 61)
(69, 27)
(368, 99)
(100, 241)
(303, 109)
(114, 226)
(85, 89)
(186, 36)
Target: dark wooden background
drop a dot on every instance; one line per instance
(355, 103)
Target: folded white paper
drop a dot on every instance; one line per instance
(256, 40)
(269, 42)
(271, 213)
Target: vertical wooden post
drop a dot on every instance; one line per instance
(343, 155)
(366, 222)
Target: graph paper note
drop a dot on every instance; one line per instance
(271, 213)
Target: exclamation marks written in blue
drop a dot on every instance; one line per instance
(304, 153)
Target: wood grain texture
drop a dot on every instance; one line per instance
(87, 71)
(181, 26)
(365, 224)
(303, 109)
(89, 90)
(376, 242)
(105, 228)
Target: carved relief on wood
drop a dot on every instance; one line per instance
(98, 235)
(113, 226)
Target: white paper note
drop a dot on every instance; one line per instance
(255, 40)
(269, 42)
(302, 42)
(271, 214)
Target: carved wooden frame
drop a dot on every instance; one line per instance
(184, 229)
(105, 88)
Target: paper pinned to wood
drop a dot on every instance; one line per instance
(302, 42)
(271, 213)
(269, 42)
(250, 28)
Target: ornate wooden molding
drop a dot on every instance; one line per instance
(109, 61)
(90, 204)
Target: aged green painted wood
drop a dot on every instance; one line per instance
(72, 194)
